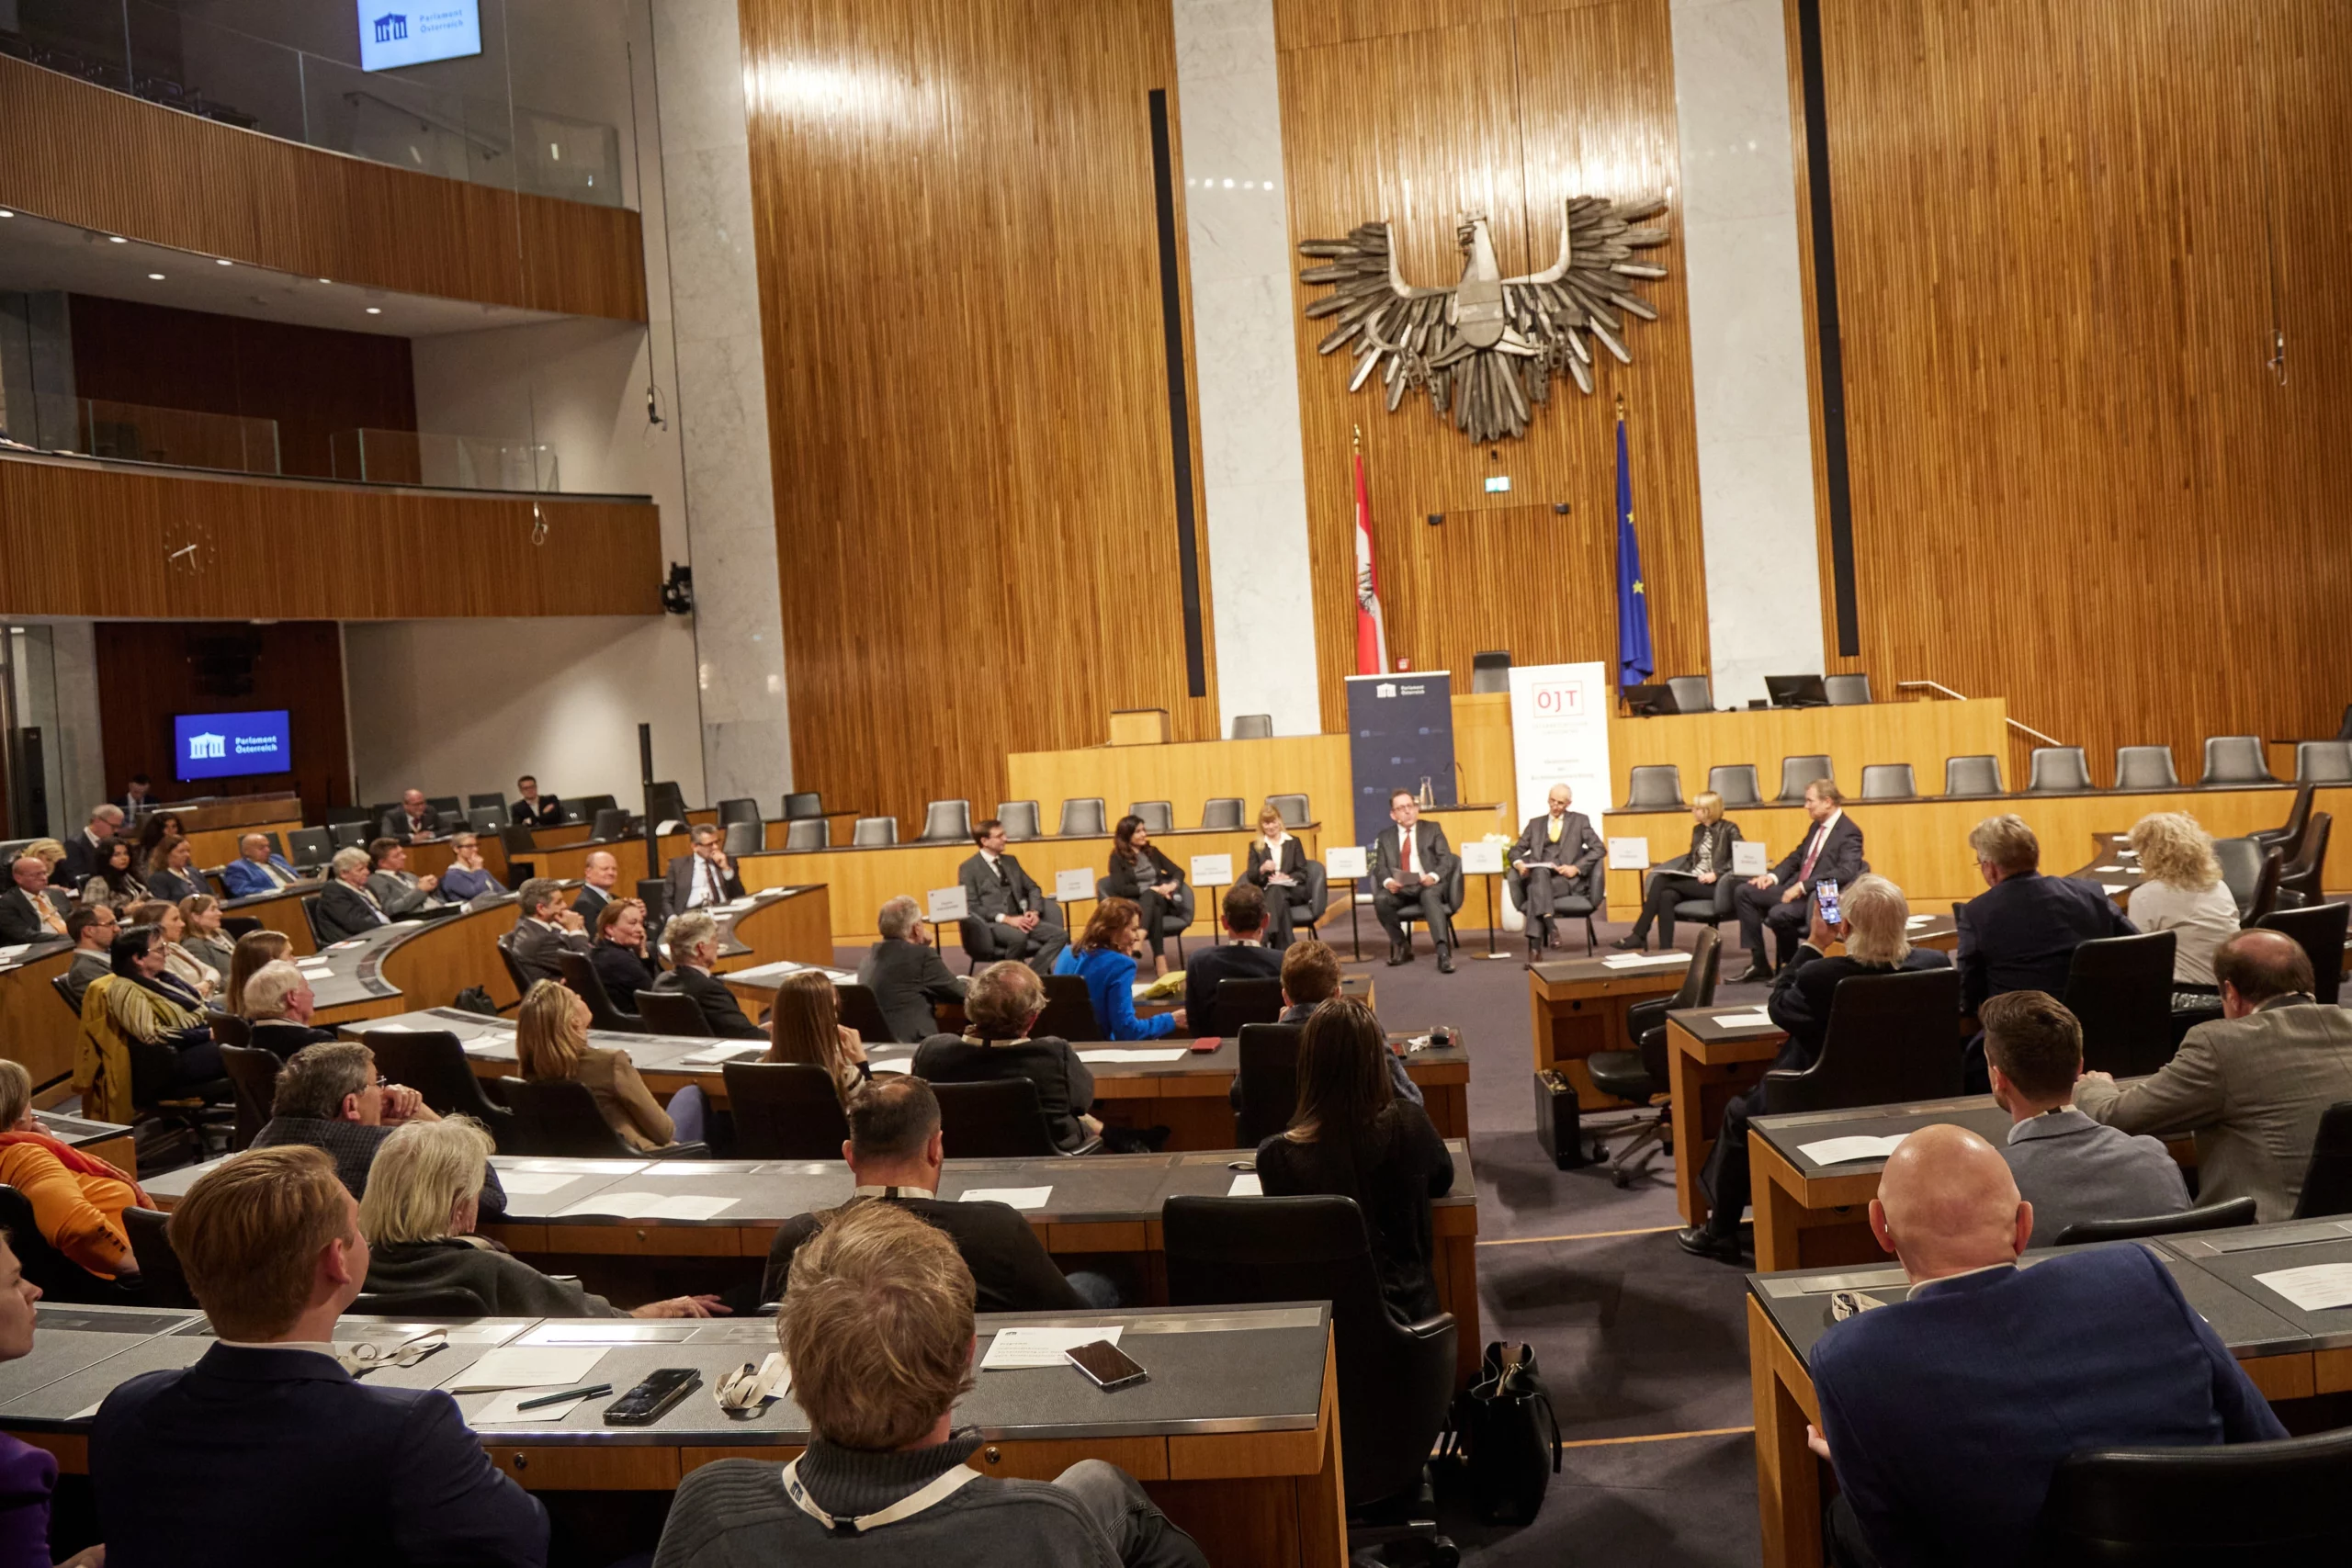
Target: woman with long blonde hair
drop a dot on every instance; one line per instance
(2181, 891)
(245, 959)
(806, 1023)
(551, 1040)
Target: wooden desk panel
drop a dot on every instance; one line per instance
(795, 929)
(1920, 733)
(1188, 774)
(569, 863)
(1577, 1009)
(1704, 1076)
(39, 1031)
(217, 846)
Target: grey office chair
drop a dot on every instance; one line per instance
(803, 803)
(2241, 863)
(494, 797)
(1083, 818)
(1158, 815)
(1736, 782)
(739, 808)
(1888, 781)
(744, 839)
(350, 834)
(1798, 772)
(486, 819)
(947, 823)
(2234, 760)
(1020, 818)
(2323, 762)
(875, 830)
(1225, 811)
(309, 846)
(611, 823)
(1655, 787)
(1845, 691)
(1490, 672)
(447, 805)
(807, 833)
(1253, 727)
(1294, 807)
(2058, 770)
(1692, 693)
(1966, 777)
(669, 802)
(2145, 767)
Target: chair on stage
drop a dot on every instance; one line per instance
(2120, 989)
(1974, 775)
(1575, 902)
(2058, 770)
(872, 831)
(2145, 767)
(1082, 819)
(1490, 672)
(947, 823)
(1692, 693)
(1253, 727)
(1020, 820)
(610, 822)
(1798, 772)
(739, 808)
(1845, 691)
(1222, 812)
(743, 839)
(784, 1111)
(807, 833)
(1892, 1038)
(1736, 782)
(1655, 787)
(801, 804)
(1294, 807)
(1157, 816)
(2323, 762)
(1889, 781)
(2232, 760)
(1175, 922)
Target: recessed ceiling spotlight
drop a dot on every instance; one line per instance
(222, 261)
(375, 311)
(5, 213)
(157, 276)
(117, 239)
(326, 280)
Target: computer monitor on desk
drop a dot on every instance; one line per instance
(1796, 691)
(1650, 700)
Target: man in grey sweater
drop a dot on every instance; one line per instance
(877, 1326)
(2068, 1167)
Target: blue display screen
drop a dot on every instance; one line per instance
(232, 745)
(410, 32)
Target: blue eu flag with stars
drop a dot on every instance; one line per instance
(1634, 662)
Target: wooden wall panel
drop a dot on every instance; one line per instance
(81, 154)
(2076, 484)
(960, 293)
(1411, 111)
(82, 538)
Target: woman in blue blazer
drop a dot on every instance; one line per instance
(1102, 957)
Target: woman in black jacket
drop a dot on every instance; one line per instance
(1142, 873)
(1278, 866)
(1708, 863)
(618, 956)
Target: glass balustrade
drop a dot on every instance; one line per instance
(443, 462)
(140, 433)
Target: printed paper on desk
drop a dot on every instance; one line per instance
(505, 1410)
(1212, 871)
(526, 1366)
(1346, 862)
(1013, 1348)
(1645, 959)
(2316, 1287)
(1246, 1186)
(1480, 858)
(2110, 888)
(1758, 1019)
(534, 1183)
(1070, 885)
(1629, 855)
(1016, 1197)
(946, 904)
(1749, 858)
(1838, 1151)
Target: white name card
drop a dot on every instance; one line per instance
(1070, 884)
(1212, 871)
(1482, 859)
(1346, 862)
(946, 904)
(1629, 855)
(1749, 858)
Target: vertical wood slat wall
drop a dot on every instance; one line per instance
(2076, 484)
(960, 305)
(1412, 111)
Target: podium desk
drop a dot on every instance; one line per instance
(1576, 1009)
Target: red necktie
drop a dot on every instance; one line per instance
(1813, 854)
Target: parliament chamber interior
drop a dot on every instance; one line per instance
(1169, 782)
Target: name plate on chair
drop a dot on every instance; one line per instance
(1629, 855)
(946, 904)
(1071, 885)
(1212, 871)
(1346, 862)
(1749, 858)
(1482, 858)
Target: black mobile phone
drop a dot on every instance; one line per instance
(1109, 1366)
(654, 1398)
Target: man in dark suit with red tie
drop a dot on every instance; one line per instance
(1411, 870)
(1831, 850)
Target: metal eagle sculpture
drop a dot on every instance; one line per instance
(1486, 349)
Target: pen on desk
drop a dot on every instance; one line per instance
(547, 1399)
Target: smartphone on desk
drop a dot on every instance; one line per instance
(1109, 1366)
(1824, 894)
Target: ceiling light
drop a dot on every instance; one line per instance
(118, 239)
(375, 311)
(222, 261)
(5, 213)
(326, 280)
(156, 276)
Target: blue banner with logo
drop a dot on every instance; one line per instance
(1400, 734)
(231, 745)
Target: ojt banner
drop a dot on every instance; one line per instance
(1559, 734)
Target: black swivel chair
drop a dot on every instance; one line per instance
(2213, 1217)
(1396, 1380)
(309, 847)
(486, 820)
(514, 975)
(1892, 1038)
(672, 1013)
(1267, 1076)
(1641, 1074)
(432, 1063)
(580, 975)
(252, 1076)
(803, 804)
(740, 808)
(453, 1301)
(2120, 988)
(2270, 1503)
(2321, 930)
(610, 822)
(2265, 889)
(784, 1111)
(2328, 1179)
(2288, 838)
(60, 1278)
(998, 1120)
(2298, 879)
(321, 938)
(559, 1120)
(860, 1012)
(1236, 1004)
(1456, 887)
(1069, 1011)
(163, 1282)
(1574, 900)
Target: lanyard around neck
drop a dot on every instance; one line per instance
(942, 1487)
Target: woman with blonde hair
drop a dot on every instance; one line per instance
(551, 1039)
(423, 1201)
(1692, 875)
(205, 939)
(2181, 891)
(253, 950)
(805, 1024)
(77, 1198)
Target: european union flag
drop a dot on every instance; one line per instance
(1634, 662)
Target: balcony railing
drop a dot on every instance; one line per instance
(140, 433)
(443, 462)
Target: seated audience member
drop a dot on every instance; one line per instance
(152, 830)
(806, 1026)
(602, 874)
(1351, 1137)
(1707, 862)
(1875, 917)
(329, 1098)
(170, 870)
(52, 854)
(398, 893)
(2021, 933)
(82, 850)
(618, 956)
(139, 797)
(245, 959)
(551, 1039)
(1412, 869)
(28, 1474)
(533, 808)
(2182, 891)
(29, 911)
(2252, 1085)
(257, 869)
(1277, 867)
(2068, 1167)
(1010, 916)
(1831, 850)
(277, 1005)
(544, 928)
(93, 931)
(77, 1198)
(877, 1327)
(1311, 978)
(113, 881)
(895, 1152)
(466, 878)
(204, 937)
(702, 876)
(1001, 1006)
(693, 948)
(1995, 1374)
(179, 962)
(1103, 957)
(905, 973)
(143, 1001)
(1246, 957)
(1146, 878)
(345, 907)
(424, 1198)
(266, 1450)
(412, 821)
(1556, 853)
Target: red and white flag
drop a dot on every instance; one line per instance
(1371, 630)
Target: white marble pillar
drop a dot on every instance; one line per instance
(720, 395)
(1739, 245)
(1229, 117)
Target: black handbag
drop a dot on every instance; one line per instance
(473, 999)
(1503, 1429)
